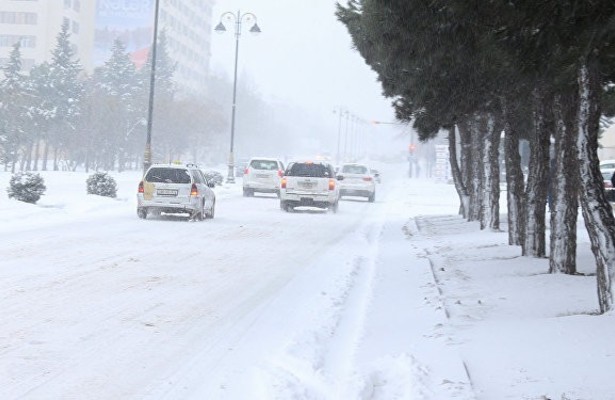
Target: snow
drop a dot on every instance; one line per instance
(397, 299)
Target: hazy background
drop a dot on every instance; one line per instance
(303, 63)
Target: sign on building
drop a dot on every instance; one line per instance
(131, 21)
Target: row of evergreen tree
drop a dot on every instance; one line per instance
(57, 112)
(538, 70)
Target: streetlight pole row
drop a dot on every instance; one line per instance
(220, 28)
(351, 129)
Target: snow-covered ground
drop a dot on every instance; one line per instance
(399, 299)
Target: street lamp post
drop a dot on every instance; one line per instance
(220, 28)
(147, 155)
(349, 118)
(341, 113)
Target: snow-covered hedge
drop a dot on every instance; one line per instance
(26, 186)
(102, 184)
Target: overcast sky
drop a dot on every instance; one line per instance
(303, 56)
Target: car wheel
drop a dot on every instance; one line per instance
(212, 211)
(372, 197)
(277, 193)
(290, 208)
(246, 192)
(142, 213)
(202, 214)
(334, 207)
(282, 205)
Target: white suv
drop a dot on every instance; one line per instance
(309, 184)
(262, 175)
(358, 181)
(171, 188)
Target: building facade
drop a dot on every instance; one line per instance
(95, 24)
(187, 25)
(36, 24)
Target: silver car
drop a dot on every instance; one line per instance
(358, 181)
(176, 189)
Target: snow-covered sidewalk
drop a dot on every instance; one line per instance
(523, 333)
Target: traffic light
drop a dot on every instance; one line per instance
(411, 148)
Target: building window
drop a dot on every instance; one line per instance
(10, 40)
(21, 18)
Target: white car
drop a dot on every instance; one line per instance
(262, 175)
(607, 166)
(357, 181)
(176, 189)
(309, 184)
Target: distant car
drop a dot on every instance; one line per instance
(609, 190)
(240, 166)
(262, 175)
(376, 174)
(358, 181)
(607, 166)
(214, 176)
(176, 189)
(309, 184)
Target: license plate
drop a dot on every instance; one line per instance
(166, 192)
(307, 185)
(262, 176)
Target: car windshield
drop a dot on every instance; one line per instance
(354, 169)
(606, 176)
(308, 170)
(268, 165)
(168, 175)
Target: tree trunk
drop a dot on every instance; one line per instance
(597, 211)
(464, 199)
(491, 174)
(476, 172)
(45, 155)
(35, 156)
(564, 189)
(514, 181)
(26, 158)
(55, 159)
(465, 139)
(537, 181)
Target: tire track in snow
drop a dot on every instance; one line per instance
(328, 372)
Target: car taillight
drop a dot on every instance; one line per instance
(283, 183)
(141, 190)
(331, 184)
(194, 191)
(246, 171)
(280, 173)
(608, 184)
(367, 178)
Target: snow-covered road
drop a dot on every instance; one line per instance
(257, 303)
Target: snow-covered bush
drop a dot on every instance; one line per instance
(26, 186)
(102, 184)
